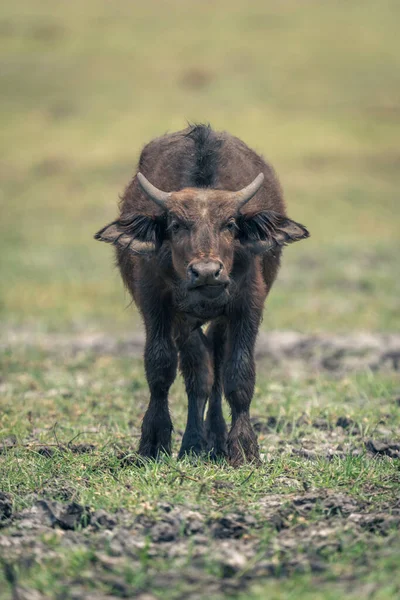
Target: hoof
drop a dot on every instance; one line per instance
(135, 459)
(238, 458)
(149, 452)
(192, 445)
(242, 444)
(218, 450)
(217, 455)
(217, 436)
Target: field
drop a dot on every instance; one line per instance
(313, 86)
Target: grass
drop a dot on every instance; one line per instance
(314, 87)
(68, 427)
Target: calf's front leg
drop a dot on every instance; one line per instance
(239, 381)
(195, 364)
(160, 360)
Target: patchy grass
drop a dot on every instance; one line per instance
(322, 511)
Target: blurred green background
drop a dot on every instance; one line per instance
(314, 86)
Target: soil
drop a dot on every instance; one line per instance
(230, 543)
(324, 352)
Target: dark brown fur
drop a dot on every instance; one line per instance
(158, 252)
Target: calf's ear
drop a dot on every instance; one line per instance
(267, 230)
(138, 235)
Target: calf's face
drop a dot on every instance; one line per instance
(201, 230)
(203, 227)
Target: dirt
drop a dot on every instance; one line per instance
(383, 448)
(5, 509)
(226, 552)
(47, 451)
(195, 551)
(324, 352)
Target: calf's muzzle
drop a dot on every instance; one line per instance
(206, 273)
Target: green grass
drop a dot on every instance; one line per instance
(314, 87)
(53, 401)
(103, 398)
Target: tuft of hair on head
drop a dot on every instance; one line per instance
(201, 165)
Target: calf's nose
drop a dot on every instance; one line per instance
(205, 273)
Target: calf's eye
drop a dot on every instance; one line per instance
(175, 227)
(230, 226)
(178, 226)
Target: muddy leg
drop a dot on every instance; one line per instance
(239, 380)
(160, 359)
(216, 431)
(195, 364)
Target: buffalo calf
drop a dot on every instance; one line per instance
(198, 241)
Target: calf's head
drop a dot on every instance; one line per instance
(203, 228)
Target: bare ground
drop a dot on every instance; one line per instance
(375, 351)
(309, 529)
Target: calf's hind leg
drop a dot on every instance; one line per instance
(216, 431)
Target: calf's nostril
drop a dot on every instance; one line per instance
(194, 274)
(218, 271)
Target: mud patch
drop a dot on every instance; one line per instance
(49, 451)
(299, 352)
(5, 509)
(207, 555)
(8, 443)
(383, 448)
(45, 513)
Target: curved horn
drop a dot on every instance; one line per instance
(246, 194)
(158, 196)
